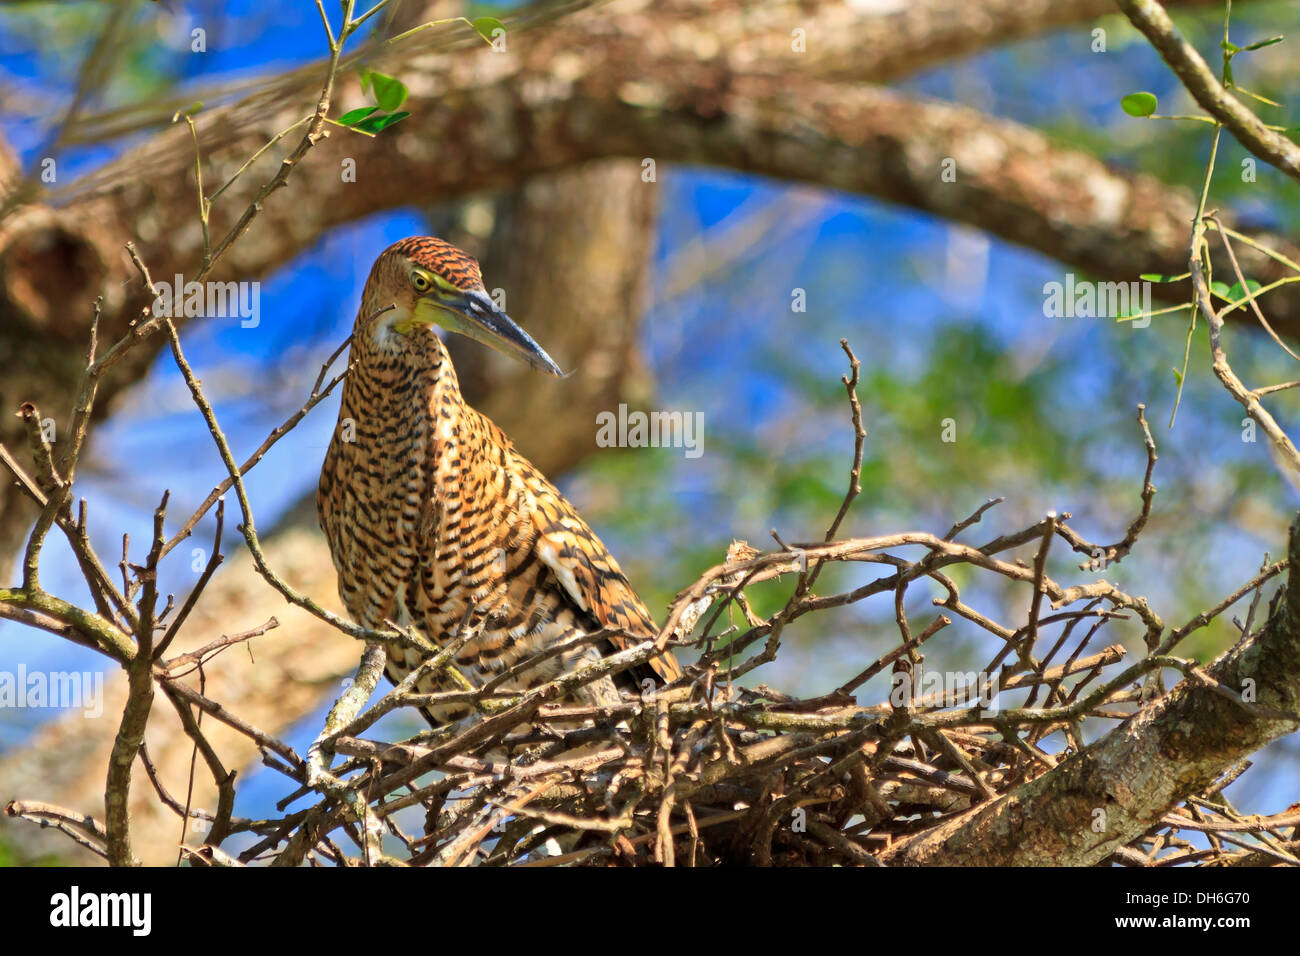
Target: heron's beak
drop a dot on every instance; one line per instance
(474, 314)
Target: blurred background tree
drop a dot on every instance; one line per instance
(780, 172)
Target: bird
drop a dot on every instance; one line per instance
(435, 521)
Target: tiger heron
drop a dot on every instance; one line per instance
(434, 519)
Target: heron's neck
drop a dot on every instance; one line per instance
(410, 372)
(417, 352)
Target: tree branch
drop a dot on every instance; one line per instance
(1094, 803)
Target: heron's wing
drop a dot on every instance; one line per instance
(586, 570)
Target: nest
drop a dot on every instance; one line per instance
(708, 772)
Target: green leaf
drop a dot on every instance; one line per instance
(1139, 104)
(377, 124)
(390, 92)
(364, 75)
(1237, 292)
(486, 26)
(1229, 46)
(1160, 277)
(1263, 43)
(352, 117)
(1178, 378)
(1220, 289)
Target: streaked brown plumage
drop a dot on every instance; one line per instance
(429, 509)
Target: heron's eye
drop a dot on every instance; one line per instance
(420, 281)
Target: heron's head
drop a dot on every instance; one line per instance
(421, 282)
